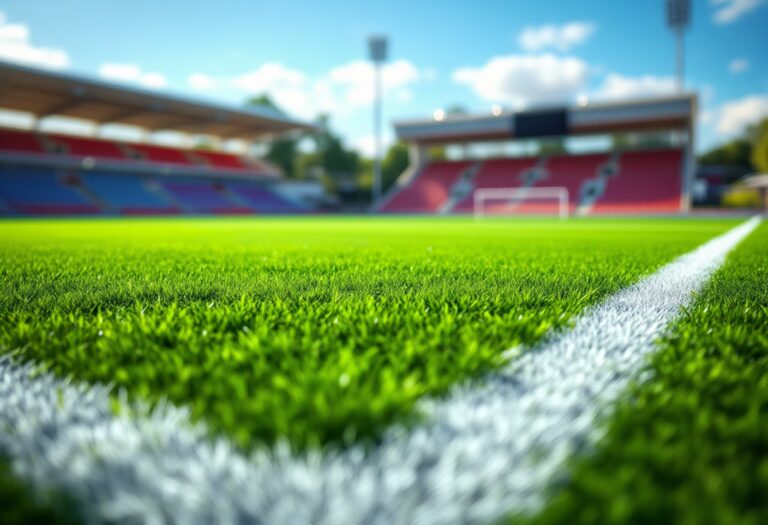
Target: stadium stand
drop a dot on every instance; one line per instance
(139, 191)
(262, 199)
(102, 176)
(127, 194)
(429, 190)
(647, 182)
(572, 172)
(55, 173)
(28, 142)
(627, 181)
(204, 197)
(40, 191)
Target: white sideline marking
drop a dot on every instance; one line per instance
(486, 449)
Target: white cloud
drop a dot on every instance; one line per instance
(734, 116)
(289, 88)
(738, 65)
(727, 11)
(268, 77)
(201, 81)
(706, 93)
(616, 86)
(560, 38)
(15, 46)
(520, 80)
(365, 144)
(356, 80)
(132, 73)
(342, 89)
(430, 74)
(124, 72)
(153, 80)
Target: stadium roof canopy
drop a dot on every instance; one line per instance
(45, 94)
(669, 113)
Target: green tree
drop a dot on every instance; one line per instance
(264, 101)
(309, 165)
(281, 151)
(735, 153)
(759, 156)
(455, 110)
(393, 164)
(436, 153)
(551, 147)
(365, 177)
(330, 157)
(653, 140)
(330, 153)
(336, 158)
(619, 141)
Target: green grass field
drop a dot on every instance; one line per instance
(317, 331)
(21, 505)
(322, 332)
(691, 444)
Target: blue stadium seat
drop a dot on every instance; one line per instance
(127, 194)
(38, 191)
(262, 199)
(203, 196)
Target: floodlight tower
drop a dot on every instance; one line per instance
(678, 17)
(377, 49)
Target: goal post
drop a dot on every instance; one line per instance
(515, 196)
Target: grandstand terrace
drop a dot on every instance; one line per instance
(637, 176)
(44, 173)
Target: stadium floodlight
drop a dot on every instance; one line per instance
(377, 48)
(514, 196)
(678, 18)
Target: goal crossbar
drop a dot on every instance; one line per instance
(558, 193)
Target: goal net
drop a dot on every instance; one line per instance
(504, 201)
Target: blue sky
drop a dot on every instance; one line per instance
(310, 56)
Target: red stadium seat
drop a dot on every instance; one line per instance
(222, 160)
(647, 182)
(571, 172)
(161, 154)
(429, 191)
(28, 142)
(88, 147)
(496, 173)
(20, 141)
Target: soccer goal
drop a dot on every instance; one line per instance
(506, 200)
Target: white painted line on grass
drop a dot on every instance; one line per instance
(486, 449)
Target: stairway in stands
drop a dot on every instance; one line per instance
(429, 190)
